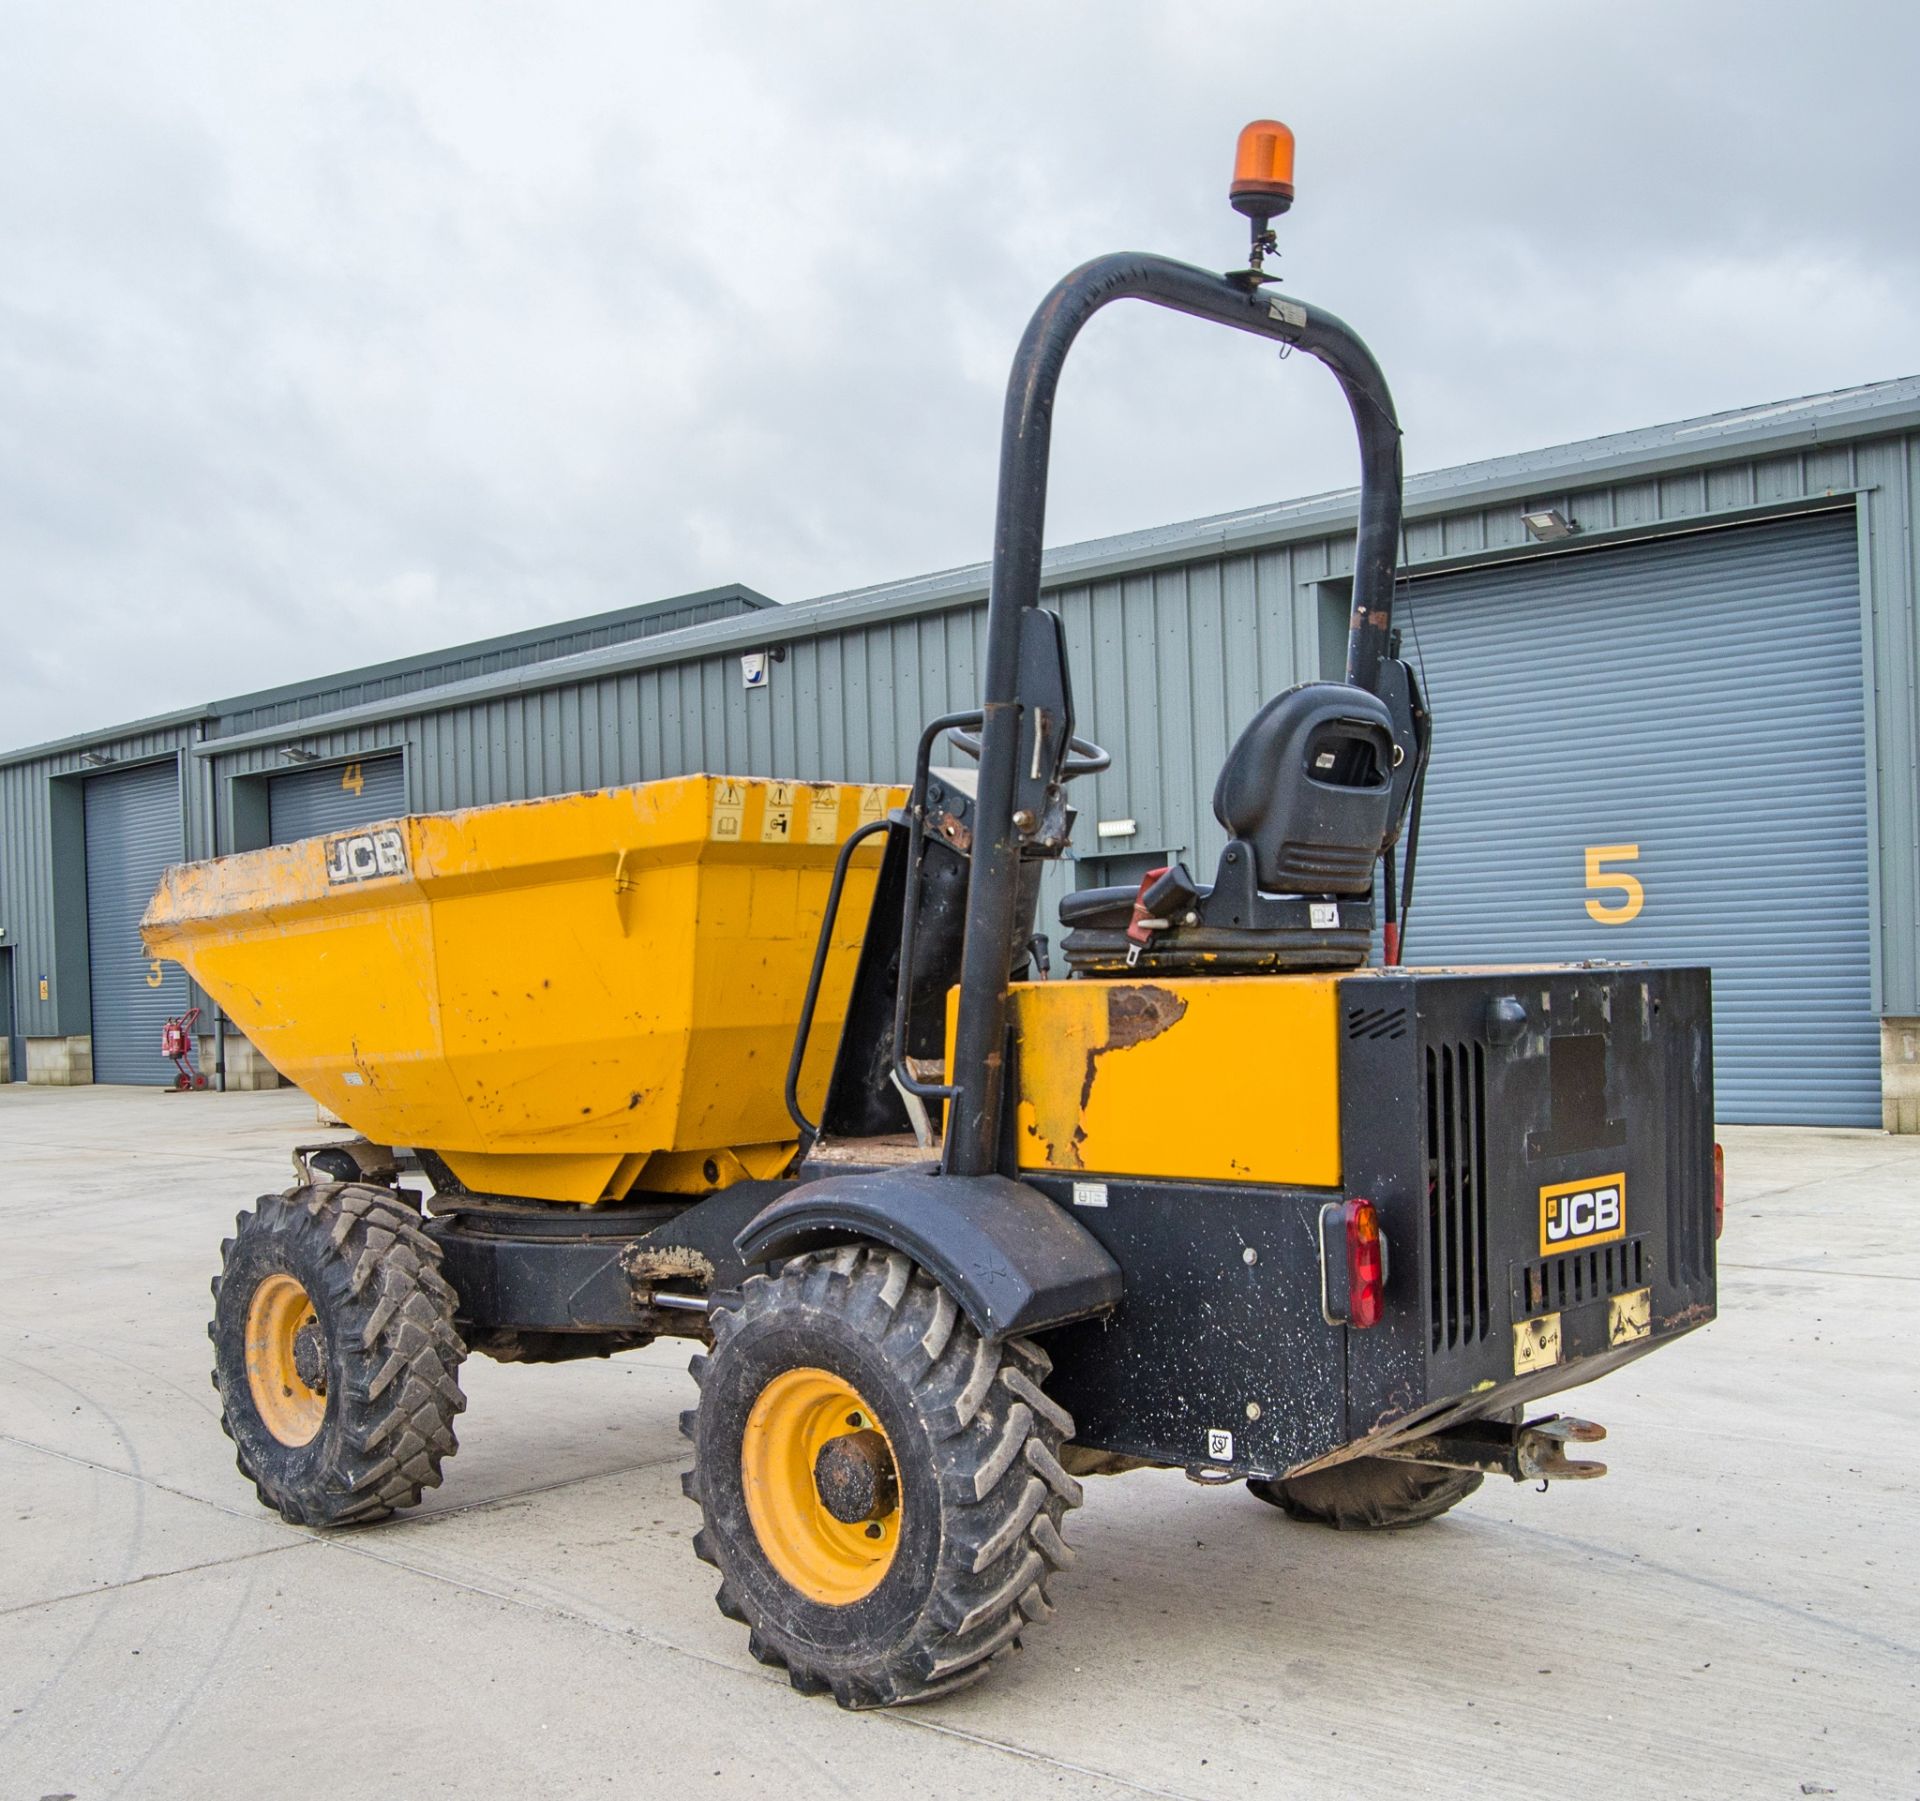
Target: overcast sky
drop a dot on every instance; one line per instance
(333, 333)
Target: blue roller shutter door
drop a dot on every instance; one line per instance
(1658, 752)
(133, 834)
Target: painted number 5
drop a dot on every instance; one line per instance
(1613, 881)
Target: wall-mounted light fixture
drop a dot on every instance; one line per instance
(98, 759)
(294, 753)
(756, 665)
(1548, 525)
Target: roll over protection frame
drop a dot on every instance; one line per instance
(979, 1060)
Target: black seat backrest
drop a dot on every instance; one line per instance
(1309, 786)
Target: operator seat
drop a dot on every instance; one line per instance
(1306, 798)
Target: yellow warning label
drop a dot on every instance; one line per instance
(873, 805)
(729, 811)
(777, 825)
(823, 816)
(1536, 1343)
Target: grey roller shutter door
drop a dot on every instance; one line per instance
(133, 833)
(1698, 699)
(337, 797)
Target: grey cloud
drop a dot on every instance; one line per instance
(330, 335)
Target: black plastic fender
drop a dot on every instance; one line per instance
(1013, 1260)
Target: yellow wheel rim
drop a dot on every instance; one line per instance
(280, 1310)
(798, 1415)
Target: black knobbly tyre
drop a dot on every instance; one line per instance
(880, 1487)
(335, 1353)
(1368, 1494)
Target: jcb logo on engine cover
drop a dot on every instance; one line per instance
(1574, 1215)
(366, 855)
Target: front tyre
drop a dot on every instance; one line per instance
(880, 1487)
(335, 1353)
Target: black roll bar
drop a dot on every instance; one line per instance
(977, 1075)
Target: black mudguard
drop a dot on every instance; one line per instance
(1013, 1260)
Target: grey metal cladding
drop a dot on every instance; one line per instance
(133, 828)
(1177, 633)
(289, 706)
(335, 797)
(1698, 699)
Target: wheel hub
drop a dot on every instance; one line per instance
(286, 1360)
(855, 1478)
(310, 1356)
(822, 1486)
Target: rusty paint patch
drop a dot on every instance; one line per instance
(1134, 1016)
(1696, 1315)
(952, 831)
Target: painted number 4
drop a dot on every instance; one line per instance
(1603, 880)
(355, 783)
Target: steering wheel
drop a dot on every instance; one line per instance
(1084, 757)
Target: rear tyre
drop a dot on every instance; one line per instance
(880, 1488)
(335, 1353)
(1368, 1494)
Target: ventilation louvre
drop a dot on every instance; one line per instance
(1576, 1277)
(1456, 1110)
(1377, 1022)
(1689, 1177)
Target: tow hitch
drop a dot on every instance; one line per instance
(1535, 1452)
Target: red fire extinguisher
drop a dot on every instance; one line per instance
(176, 1041)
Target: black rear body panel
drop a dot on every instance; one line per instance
(1462, 1096)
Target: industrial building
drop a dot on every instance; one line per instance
(1675, 674)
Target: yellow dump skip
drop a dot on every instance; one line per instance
(1211, 1079)
(566, 998)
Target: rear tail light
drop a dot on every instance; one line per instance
(1352, 1247)
(1719, 1190)
(1366, 1265)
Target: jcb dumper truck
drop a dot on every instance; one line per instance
(774, 1066)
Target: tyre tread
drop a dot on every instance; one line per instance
(402, 1388)
(996, 1444)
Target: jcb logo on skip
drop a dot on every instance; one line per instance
(366, 855)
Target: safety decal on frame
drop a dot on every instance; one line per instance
(777, 825)
(823, 816)
(729, 811)
(873, 805)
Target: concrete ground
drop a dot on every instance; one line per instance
(1735, 1610)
